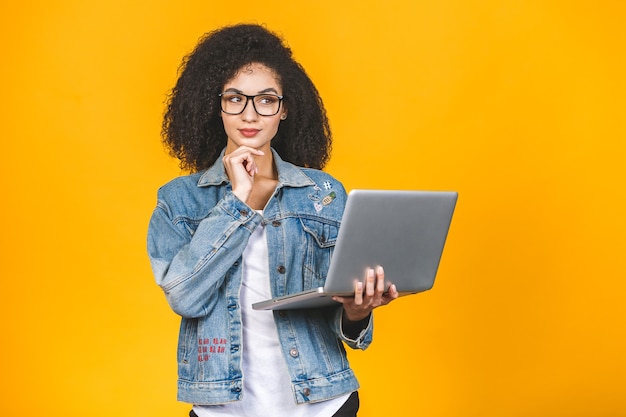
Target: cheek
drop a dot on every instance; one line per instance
(227, 123)
(274, 129)
(276, 124)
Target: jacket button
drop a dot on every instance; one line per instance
(293, 352)
(282, 313)
(306, 392)
(276, 223)
(281, 269)
(243, 212)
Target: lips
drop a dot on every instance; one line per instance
(248, 133)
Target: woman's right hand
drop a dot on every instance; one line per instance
(241, 168)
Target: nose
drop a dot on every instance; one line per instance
(249, 112)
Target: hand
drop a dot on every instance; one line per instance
(241, 168)
(368, 295)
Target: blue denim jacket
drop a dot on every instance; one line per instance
(196, 238)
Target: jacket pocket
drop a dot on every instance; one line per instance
(321, 237)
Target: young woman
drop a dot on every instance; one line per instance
(256, 219)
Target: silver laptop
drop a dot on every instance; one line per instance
(404, 231)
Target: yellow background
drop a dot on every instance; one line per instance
(518, 105)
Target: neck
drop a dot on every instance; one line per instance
(266, 165)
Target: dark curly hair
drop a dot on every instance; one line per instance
(192, 127)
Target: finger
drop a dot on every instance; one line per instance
(369, 283)
(358, 293)
(393, 292)
(380, 279)
(242, 160)
(243, 149)
(389, 296)
(250, 165)
(242, 153)
(339, 299)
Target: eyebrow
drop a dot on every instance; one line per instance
(267, 90)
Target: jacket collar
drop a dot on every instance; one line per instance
(288, 174)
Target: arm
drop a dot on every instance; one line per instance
(356, 335)
(356, 316)
(191, 268)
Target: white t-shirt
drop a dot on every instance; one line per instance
(266, 382)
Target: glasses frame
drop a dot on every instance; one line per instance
(250, 98)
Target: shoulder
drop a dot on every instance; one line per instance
(319, 176)
(183, 197)
(325, 182)
(178, 185)
(323, 197)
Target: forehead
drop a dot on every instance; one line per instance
(255, 77)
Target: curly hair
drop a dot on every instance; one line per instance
(192, 128)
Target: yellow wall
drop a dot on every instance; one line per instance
(518, 105)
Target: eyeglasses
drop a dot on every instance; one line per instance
(263, 104)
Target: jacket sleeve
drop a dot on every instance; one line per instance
(364, 338)
(189, 266)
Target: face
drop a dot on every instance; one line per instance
(249, 128)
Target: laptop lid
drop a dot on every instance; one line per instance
(404, 231)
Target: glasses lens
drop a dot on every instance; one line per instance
(233, 103)
(264, 104)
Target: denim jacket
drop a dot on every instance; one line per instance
(196, 237)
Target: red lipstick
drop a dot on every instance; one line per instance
(249, 133)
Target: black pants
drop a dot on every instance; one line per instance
(348, 409)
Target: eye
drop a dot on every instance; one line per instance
(234, 98)
(267, 99)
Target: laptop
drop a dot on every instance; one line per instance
(404, 231)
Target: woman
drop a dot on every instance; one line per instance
(256, 219)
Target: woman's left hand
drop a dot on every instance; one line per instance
(368, 295)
